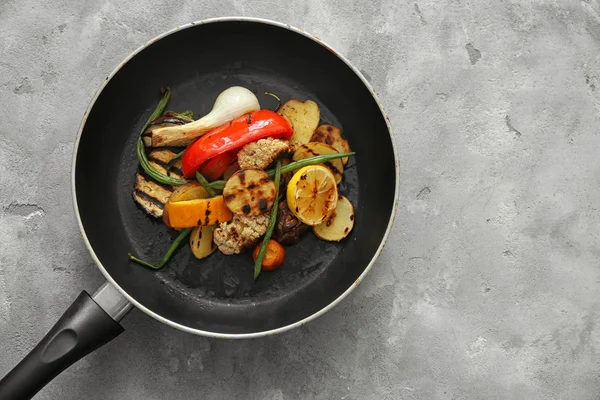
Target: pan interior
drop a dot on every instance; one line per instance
(218, 294)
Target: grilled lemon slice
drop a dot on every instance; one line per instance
(312, 194)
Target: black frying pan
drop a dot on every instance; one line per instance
(215, 296)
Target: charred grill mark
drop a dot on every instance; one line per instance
(303, 178)
(149, 179)
(252, 186)
(329, 221)
(145, 196)
(329, 128)
(246, 209)
(262, 204)
(206, 220)
(207, 212)
(352, 217)
(229, 197)
(346, 230)
(165, 165)
(332, 167)
(249, 119)
(242, 176)
(266, 179)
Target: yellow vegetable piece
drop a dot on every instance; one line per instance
(312, 194)
(198, 212)
(189, 191)
(313, 149)
(337, 225)
(304, 117)
(201, 241)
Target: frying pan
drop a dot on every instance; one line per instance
(216, 296)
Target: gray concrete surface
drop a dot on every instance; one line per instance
(491, 289)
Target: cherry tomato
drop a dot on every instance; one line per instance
(274, 255)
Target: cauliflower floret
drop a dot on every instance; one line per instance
(259, 154)
(241, 232)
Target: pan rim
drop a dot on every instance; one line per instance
(221, 335)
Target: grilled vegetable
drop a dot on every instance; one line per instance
(212, 192)
(189, 191)
(176, 243)
(333, 136)
(293, 166)
(230, 104)
(197, 212)
(233, 136)
(233, 168)
(201, 241)
(338, 224)
(312, 194)
(169, 118)
(214, 168)
(274, 255)
(141, 152)
(249, 192)
(271, 227)
(150, 194)
(305, 119)
(317, 149)
(241, 233)
(288, 229)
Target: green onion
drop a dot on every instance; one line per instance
(172, 162)
(272, 221)
(182, 235)
(187, 115)
(219, 185)
(205, 184)
(141, 151)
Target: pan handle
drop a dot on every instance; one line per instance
(88, 323)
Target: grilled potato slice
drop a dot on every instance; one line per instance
(338, 224)
(189, 191)
(305, 119)
(201, 241)
(317, 149)
(249, 192)
(333, 136)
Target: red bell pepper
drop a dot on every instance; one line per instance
(214, 168)
(234, 135)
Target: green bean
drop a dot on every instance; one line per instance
(205, 184)
(172, 162)
(182, 235)
(271, 226)
(141, 151)
(219, 185)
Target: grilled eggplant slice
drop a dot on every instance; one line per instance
(152, 195)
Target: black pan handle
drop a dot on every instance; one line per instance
(86, 325)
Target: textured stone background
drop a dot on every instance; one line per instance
(491, 287)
